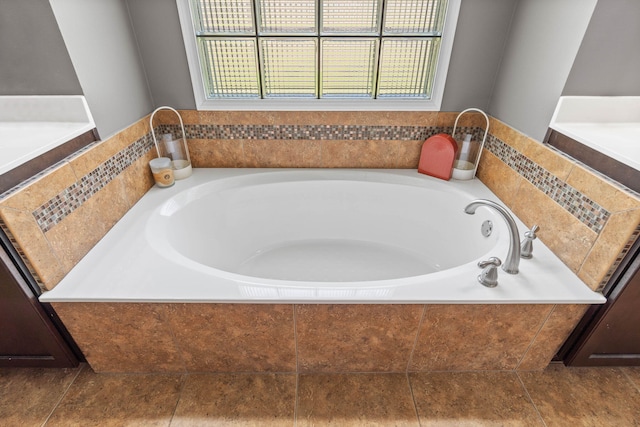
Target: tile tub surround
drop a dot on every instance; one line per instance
(588, 221)
(57, 216)
(308, 338)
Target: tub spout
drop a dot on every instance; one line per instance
(512, 261)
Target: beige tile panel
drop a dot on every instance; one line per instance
(118, 400)
(409, 154)
(563, 233)
(476, 337)
(355, 400)
(79, 231)
(360, 154)
(507, 134)
(262, 153)
(88, 160)
(210, 153)
(34, 244)
(551, 160)
(41, 190)
(583, 396)
(472, 399)
(469, 119)
(235, 337)
(137, 178)
(28, 395)
(633, 373)
(355, 338)
(500, 178)
(552, 335)
(610, 243)
(606, 194)
(592, 283)
(122, 337)
(237, 400)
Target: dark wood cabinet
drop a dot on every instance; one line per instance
(30, 333)
(609, 335)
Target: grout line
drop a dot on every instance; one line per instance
(415, 341)
(296, 401)
(64, 393)
(185, 377)
(535, 337)
(297, 373)
(413, 398)
(526, 391)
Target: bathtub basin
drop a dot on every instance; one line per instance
(351, 236)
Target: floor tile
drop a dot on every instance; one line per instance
(472, 399)
(633, 373)
(348, 400)
(117, 400)
(27, 396)
(583, 396)
(237, 400)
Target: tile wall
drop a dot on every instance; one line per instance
(57, 216)
(306, 338)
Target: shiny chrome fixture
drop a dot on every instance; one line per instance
(512, 261)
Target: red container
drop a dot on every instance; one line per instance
(437, 155)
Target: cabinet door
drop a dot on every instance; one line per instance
(615, 337)
(28, 338)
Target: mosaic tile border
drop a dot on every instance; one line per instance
(573, 201)
(71, 198)
(580, 206)
(305, 132)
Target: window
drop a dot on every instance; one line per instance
(318, 54)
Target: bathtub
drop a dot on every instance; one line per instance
(321, 236)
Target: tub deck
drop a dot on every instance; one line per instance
(125, 267)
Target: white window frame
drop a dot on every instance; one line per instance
(288, 104)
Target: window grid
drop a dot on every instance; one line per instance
(400, 62)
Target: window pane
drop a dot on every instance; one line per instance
(223, 17)
(287, 17)
(414, 17)
(230, 67)
(356, 16)
(289, 67)
(348, 67)
(407, 67)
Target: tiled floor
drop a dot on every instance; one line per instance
(558, 396)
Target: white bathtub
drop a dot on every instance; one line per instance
(350, 236)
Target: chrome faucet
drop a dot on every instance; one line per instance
(513, 256)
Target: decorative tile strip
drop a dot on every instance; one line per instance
(304, 132)
(56, 209)
(577, 204)
(71, 198)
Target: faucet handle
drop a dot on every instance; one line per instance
(531, 234)
(489, 276)
(526, 246)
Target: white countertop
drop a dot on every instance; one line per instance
(607, 124)
(32, 125)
